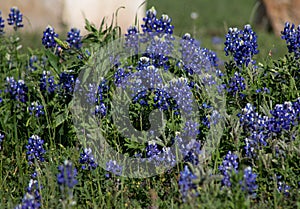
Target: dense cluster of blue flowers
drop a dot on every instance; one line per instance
(186, 183)
(261, 128)
(48, 38)
(15, 18)
(113, 167)
(36, 109)
(2, 25)
(154, 25)
(74, 38)
(17, 89)
(236, 85)
(32, 198)
(35, 150)
(242, 45)
(47, 83)
(66, 177)
(87, 160)
(228, 168)
(291, 35)
(249, 182)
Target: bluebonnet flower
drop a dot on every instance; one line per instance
(180, 91)
(47, 83)
(193, 60)
(15, 18)
(197, 60)
(74, 38)
(114, 168)
(66, 177)
(163, 100)
(102, 93)
(249, 181)
(17, 89)
(211, 55)
(242, 45)
(143, 63)
(292, 37)
(120, 76)
(158, 49)
(32, 197)
(152, 150)
(1, 24)
(36, 109)
(193, 152)
(66, 83)
(263, 90)
(282, 187)
(256, 125)
(153, 24)
(236, 85)
(87, 160)
(35, 150)
(213, 118)
(144, 80)
(48, 38)
(132, 40)
(186, 183)
(32, 61)
(284, 117)
(228, 167)
(1, 138)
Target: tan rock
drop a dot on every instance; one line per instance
(281, 11)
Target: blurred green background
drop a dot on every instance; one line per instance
(214, 17)
(207, 20)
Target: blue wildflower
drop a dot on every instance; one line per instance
(87, 160)
(186, 183)
(132, 40)
(242, 45)
(17, 89)
(66, 177)
(282, 187)
(47, 83)
(74, 38)
(152, 150)
(32, 61)
(32, 197)
(249, 181)
(1, 25)
(102, 93)
(236, 85)
(15, 18)
(114, 168)
(36, 109)
(66, 83)
(153, 24)
(1, 138)
(197, 60)
(292, 37)
(35, 150)
(229, 166)
(48, 38)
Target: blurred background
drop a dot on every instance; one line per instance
(207, 20)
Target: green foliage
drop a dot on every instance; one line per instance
(94, 189)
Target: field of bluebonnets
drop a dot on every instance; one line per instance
(255, 164)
